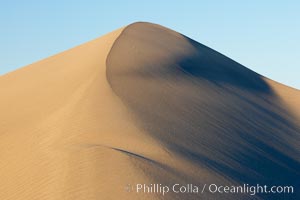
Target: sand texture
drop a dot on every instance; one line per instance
(144, 104)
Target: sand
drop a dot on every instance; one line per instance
(144, 104)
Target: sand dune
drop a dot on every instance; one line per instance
(144, 104)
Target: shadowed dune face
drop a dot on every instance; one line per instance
(205, 107)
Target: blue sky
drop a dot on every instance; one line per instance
(262, 35)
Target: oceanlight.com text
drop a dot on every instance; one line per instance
(157, 188)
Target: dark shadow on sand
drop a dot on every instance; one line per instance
(207, 108)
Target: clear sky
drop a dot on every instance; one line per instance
(263, 35)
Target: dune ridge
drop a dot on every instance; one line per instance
(144, 104)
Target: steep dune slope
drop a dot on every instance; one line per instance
(143, 104)
(207, 108)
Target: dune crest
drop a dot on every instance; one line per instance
(144, 104)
